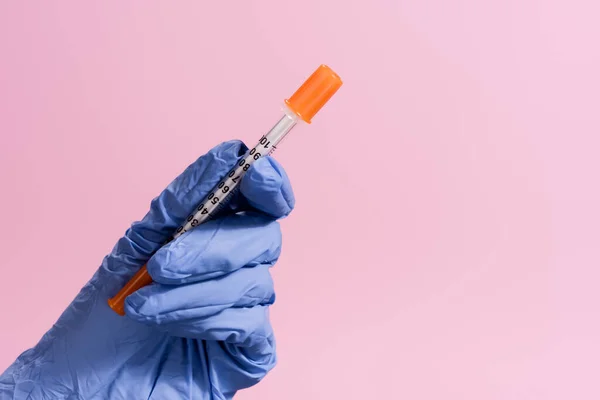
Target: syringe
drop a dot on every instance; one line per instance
(301, 106)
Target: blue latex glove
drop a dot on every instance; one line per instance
(201, 331)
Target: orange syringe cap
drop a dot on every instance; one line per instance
(314, 93)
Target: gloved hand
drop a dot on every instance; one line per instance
(201, 331)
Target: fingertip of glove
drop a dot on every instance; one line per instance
(158, 268)
(142, 307)
(234, 147)
(133, 303)
(267, 187)
(224, 152)
(282, 179)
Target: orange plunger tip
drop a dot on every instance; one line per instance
(314, 93)
(117, 306)
(139, 280)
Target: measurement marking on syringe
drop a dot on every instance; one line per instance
(216, 199)
(303, 105)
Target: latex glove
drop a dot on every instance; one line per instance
(201, 331)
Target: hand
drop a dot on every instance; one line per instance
(202, 330)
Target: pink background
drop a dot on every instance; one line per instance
(473, 275)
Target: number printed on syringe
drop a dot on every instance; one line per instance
(217, 198)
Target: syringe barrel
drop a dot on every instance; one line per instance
(301, 106)
(215, 200)
(221, 193)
